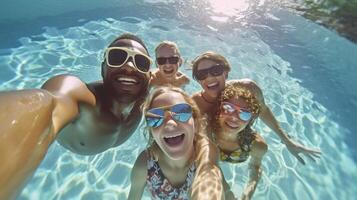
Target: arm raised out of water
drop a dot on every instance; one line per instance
(29, 123)
(268, 118)
(258, 150)
(208, 180)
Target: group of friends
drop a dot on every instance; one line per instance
(187, 135)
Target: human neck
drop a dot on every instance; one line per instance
(122, 109)
(208, 98)
(166, 78)
(182, 163)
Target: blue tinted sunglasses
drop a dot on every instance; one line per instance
(229, 108)
(180, 112)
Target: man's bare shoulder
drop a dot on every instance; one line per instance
(63, 84)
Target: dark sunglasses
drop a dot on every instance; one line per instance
(118, 56)
(164, 60)
(215, 70)
(180, 112)
(230, 109)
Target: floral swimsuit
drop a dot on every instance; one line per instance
(160, 188)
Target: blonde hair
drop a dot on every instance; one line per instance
(196, 115)
(167, 44)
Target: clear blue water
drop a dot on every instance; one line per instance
(308, 75)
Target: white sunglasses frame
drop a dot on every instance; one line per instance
(131, 54)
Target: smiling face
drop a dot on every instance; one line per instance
(174, 138)
(168, 70)
(126, 83)
(231, 122)
(212, 85)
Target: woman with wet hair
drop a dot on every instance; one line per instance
(180, 160)
(233, 132)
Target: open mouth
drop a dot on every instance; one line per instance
(174, 140)
(127, 81)
(168, 71)
(232, 125)
(213, 85)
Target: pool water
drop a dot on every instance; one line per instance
(307, 74)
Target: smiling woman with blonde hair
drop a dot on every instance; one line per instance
(180, 161)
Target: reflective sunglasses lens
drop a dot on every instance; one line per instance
(245, 116)
(182, 112)
(142, 63)
(117, 57)
(216, 70)
(173, 60)
(155, 117)
(154, 122)
(228, 108)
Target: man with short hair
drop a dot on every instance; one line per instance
(85, 118)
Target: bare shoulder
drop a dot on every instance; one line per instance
(182, 79)
(140, 168)
(259, 146)
(63, 83)
(196, 96)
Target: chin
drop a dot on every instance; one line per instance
(126, 97)
(176, 155)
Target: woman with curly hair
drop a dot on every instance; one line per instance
(233, 132)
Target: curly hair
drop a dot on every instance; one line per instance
(235, 90)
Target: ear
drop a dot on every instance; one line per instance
(226, 74)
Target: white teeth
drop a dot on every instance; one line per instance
(128, 81)
(172, 136)
(168, 71)
(232, 125)
(212, 84)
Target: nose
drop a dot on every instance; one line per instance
(169, 122)
(129, 65)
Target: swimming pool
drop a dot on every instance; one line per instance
(307, 73)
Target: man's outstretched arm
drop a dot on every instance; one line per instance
(29, 123)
